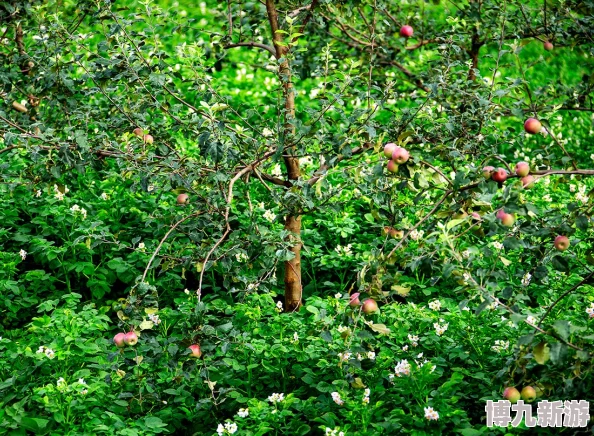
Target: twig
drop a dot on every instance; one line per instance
(565, 294)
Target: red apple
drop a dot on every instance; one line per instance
(354, 301)
(500, 214)
(522, 169)
(508, 220)
(562, 243)
(392, 166)
(406, 31)
(148, 139)
(528, 394)
(119, 340)
(528, 182)
(183, 199)
(487, 171)
(548, 46)
(511, 394)
(389, 149)
(400, 155)
(499, 175)
(369, 306)
(196, 352)
(138, 132)
(130, 338)
(532, 125)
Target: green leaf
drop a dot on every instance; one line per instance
(380, 328)
(542, 353)
(561, 326)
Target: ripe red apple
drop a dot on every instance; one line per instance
(499, 175)
(400, 155)
(119, 340)
(548, 46)
(392, 166)
(148, 139)
(532, 125)
(511, 394)
(528, 394)
(522, 169)
(183, 199)
(389, 149)
(138, 132)
(130, 338)
(528, 182)
(562, 243)
(406, 31)
(354, 301)
(508, 220)
(196, 352)
(487, 171)
(500, 214)
(369, 306)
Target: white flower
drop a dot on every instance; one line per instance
(221, 430)
(59, 194)
(155, 319)
(243, 413)
(547, 198)
(150, 188)
(276, 398)
(82, 381)
(359, 357)
(467, 277)
(295, 337)
(571, 188)
(187, 291)
(366, 396)
(414, 339)
(405, 348)
(346, 251)
(23, 254)
(580, 196)
(104, 196)
(371, 355)
(592, 156)
(344, 357)
(253, 287)
(526, 279)
(279, 306)
(336, 398)
(403, 367)
(38, 193)
(305, 161)
(466, 308)
(76, 209)
(531, 320)
(338, 296)
(416, 234)
(590, 311)
(466, 253)
(141, 246)
(269, 216)
(500, 346)
(498, 245)
(49, 353)
(420, 356)
(60, 382)
(435, 305)
(231, 427)
(84, 392)
(440, 329)
(40, 350)
(276, 170)
(266, 132)
(431, 414)
(342, 328)
(241, 256)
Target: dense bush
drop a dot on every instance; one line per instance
(272, 118)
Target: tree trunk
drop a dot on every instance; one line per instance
(293, 289)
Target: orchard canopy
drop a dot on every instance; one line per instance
(294, 217)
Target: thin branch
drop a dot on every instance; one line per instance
(252, 44)
(565, 294)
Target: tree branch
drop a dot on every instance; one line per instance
(253, 45)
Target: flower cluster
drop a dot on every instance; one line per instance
(344, 357)
(435, 305)
(497, 245)
(366, 396)
(440, 329)
(581, 195)
(269, 216)
(155, 319)
(243, 413)
(241, 257)
(414, 340)
(531, 320)
(23, 254)
(403, 367)
(500, 346)
(336, 398)
(431, 414)
(276, 398)
(526, 279)
(76, 209)
(59, 194)
(344, 251)
(342, 329)
(333, 432)
(416, 234)
(279, 306)
(590, 310)
(228, 428)
(47, 351)
(104, 196)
